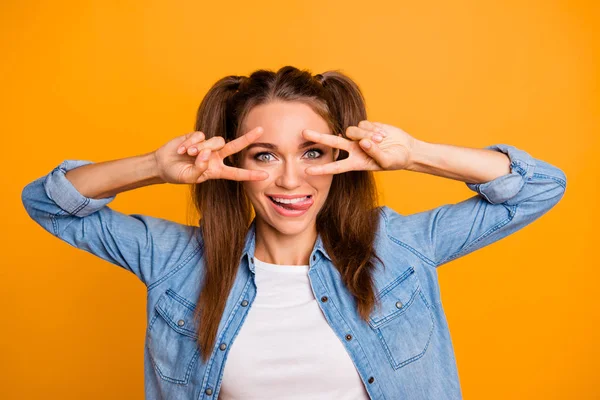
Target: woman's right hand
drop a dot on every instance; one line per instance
(187, 166)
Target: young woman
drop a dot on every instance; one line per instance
(294, 284)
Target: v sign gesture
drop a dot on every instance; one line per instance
(374, 146)
(191, 159)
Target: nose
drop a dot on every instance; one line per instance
(290, 175)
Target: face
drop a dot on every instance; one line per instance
(284, 154)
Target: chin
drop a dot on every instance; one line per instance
(287, 230)
(290, 226)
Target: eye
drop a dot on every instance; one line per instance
(313, 150)
(258, 155)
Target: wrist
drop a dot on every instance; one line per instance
(417, 155)
(151, 168)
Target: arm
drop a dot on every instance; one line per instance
(505, 202)
(460, 163)
(108, 178)
(77, 213)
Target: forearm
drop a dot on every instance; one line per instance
(470, 165)
(108, 178)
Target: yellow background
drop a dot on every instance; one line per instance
(111, 79)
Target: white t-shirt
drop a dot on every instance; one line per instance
(285, 348)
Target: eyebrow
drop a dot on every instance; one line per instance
(274, 147)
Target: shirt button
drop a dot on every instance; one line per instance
(314, 257)
(324, 299)
(252, 260)
(399, 304)
(348, 337)
(244, 303)
(180, 322)
(208, 391)
(371, 379)
(223, 346)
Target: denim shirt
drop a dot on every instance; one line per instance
(403, 352)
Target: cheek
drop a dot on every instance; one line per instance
(249, 163)
(254, 189)
(320, 182)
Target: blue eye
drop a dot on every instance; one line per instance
(257, 156)
(314, 149)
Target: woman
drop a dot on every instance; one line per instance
(310, 289)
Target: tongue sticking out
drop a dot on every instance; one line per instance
(301, 205)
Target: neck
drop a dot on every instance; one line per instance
(274, 247)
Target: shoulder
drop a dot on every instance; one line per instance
(392, 221)
(407, 231)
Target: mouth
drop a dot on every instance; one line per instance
(291, 206)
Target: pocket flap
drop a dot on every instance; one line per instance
(395, 298)
(178, 313)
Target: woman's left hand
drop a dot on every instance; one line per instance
(390, 151)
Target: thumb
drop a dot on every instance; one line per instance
(373, 150)
(201, 163)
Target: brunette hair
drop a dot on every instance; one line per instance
(347, 221)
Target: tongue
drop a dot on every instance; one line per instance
(301, 205)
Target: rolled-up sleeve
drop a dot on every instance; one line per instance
(64, 194)
(144, 245)
(499, 190)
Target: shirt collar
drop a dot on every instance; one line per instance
(317, 252)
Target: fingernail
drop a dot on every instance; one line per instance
(377, 137)
(380, 130)
(193, 150)
(366, 144)
(181, 149)
(206, 155)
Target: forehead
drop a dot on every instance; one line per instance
(281, 120)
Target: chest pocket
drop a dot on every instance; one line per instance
(404, 322)
(171, 338)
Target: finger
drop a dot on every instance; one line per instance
(240, 174)
(366, 124)
(201, 161)
(190, 139)
(356, 133)
(214, 143)
(201, 165)
(331, 140)
(191, 146)
(336, 167)
(381, 128)
(376, 127)
(375, 152)
(238, 144)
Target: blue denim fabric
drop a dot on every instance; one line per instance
(403, 352)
